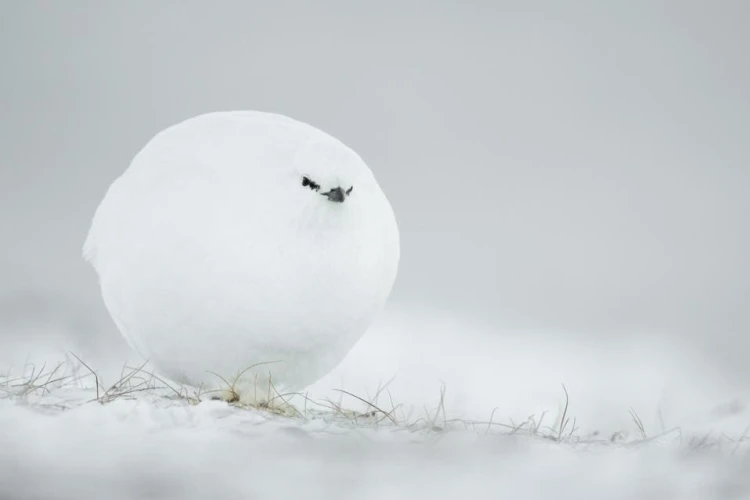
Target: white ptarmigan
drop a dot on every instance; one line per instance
(244, 239)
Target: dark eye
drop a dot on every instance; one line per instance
(306, 182)
(349, 191)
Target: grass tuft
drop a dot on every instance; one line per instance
(45, 387)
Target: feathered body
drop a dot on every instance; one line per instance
(215, 254)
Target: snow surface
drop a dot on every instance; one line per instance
(58, 443)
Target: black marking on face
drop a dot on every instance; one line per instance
(307, 182)
(349, 191)
(336, 194)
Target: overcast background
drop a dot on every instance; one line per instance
(577, 166)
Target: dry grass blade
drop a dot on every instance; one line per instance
(124, 386)
(441, 407)
(336, 407)
(539, 424)
(381, 388)
(232, 386)
(240, 374)
(563, 420)
(279, 410)
(373, 406)
(697, 444)
(27, 385)
(181, 394)
(234, 397)
(489, 424)
(638, 423)
(49, 381)
(741, 440)
(96, 377)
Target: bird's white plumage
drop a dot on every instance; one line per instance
(213, 257)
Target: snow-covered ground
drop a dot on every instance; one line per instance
(456, 410)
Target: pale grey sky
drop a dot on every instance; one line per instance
(575, 165)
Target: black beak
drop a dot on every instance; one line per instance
(336, 195)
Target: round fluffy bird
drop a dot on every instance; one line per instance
(244, 252)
